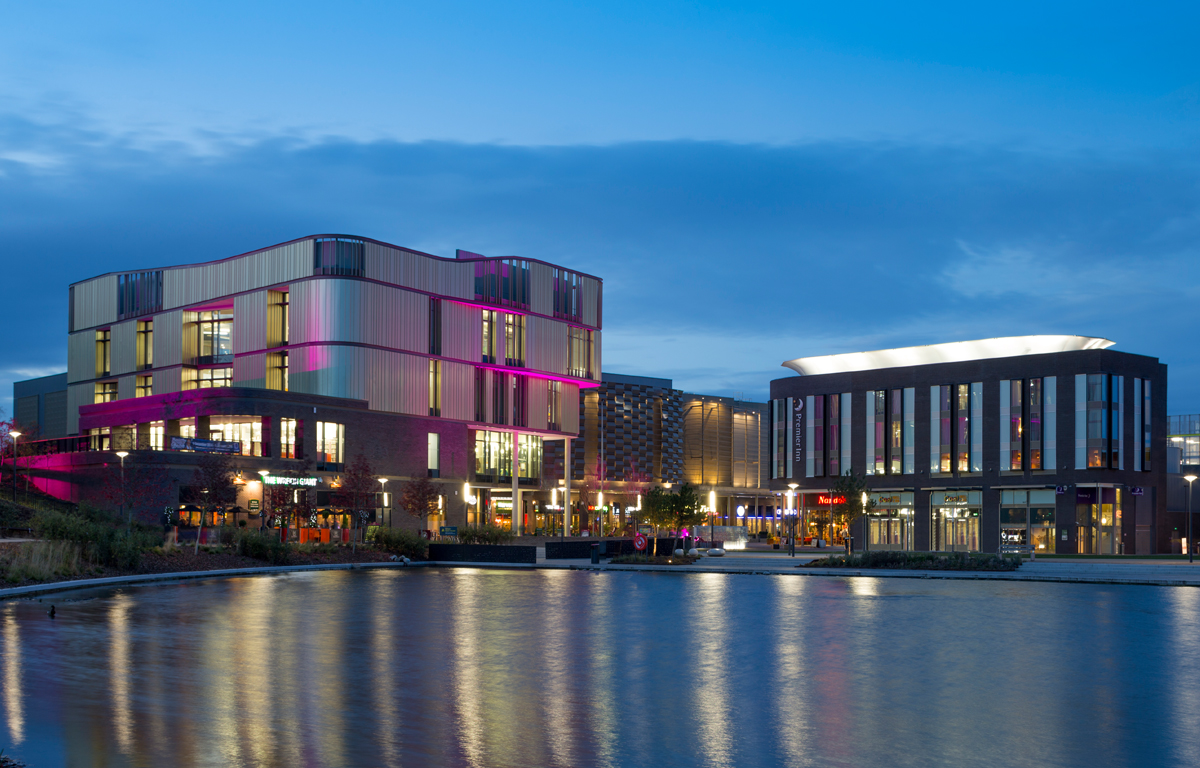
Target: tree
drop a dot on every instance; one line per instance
(141, 487)
(357, 490)
(658, 509)
(851, 489)
(289, 500)
(687, 510)
(214, 476)
(419, 497)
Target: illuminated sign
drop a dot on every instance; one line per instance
(824, 500)
(308, 482)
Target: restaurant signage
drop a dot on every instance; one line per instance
(824, 500)
(308, 482)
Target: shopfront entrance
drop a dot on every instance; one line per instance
(956, 520)
(1027, 518)
(1098, 517)
(890, 524)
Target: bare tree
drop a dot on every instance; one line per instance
(419, 497)
(214, 476)
(357, 490)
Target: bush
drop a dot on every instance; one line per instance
(484, 534)
(262, 546)
(100, 542)
(928, 561)
(398, 541)
(40, 560)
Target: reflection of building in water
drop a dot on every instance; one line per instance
(1052, 442)
(14, 710)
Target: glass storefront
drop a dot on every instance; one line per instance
(890, 524)
(1098, 516)
(1027, 518)
(956, 520)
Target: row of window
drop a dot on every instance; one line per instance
(817, 429)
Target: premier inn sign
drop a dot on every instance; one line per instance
(299, 481)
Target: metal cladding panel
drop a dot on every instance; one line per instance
(249, 323)
(462, 331)
(536, 412)
(81, 394)
(590, 288)
(359, 312)
(168, 339)
(455, 279)
(420, 272)
(191, 285)
(126, 387)
(546, 345)
(124, 347)
(458, 391)
(388, 381)
(570, 408)
(168, 381)
(596, 360)
(81, 356)
(250, 370)
(541, 289)
(96, 302)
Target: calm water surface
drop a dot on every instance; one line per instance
(559, 668)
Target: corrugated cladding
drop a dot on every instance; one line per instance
(126, 387)
(204, 282)
(413, 270)
(570, 408)
(96, 302)
(168, 381)
(537, 404)
(124, 347)
(81, 356)
(77, 395)
(249, 323)
(168, 340)
(458, 391)
(589, 288)
(250, 370)
(596, 358)
(546, 345)
(358, 311)
(541, 289)
(388, 381)
(462, 331)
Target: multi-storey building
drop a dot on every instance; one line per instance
(1056, 442)
(330, 346)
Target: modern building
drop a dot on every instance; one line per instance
(1057, 442)
(1183, 436)
(323, 348)
(40, 406)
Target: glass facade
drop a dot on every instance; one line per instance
(331, 440)
(890, 525)
(1027, 518)
(1098, 518)
(1184, 434)
(215, 340)
(955, 428)
(106, 392)
(956, 520)
(493, 456)
(210, 378)
(579, 352)
(246, 430)
(1099, 409)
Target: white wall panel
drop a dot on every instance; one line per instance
(168, 339)
(250, 322)
(81, 356)
(81, 394)
(589, 288)
(126, 387)
(570, 408)
(361, 312)
(458, 391)
(541, 289)
(96, 302)
(250, 371)
(462, 331)
(124, 347)
(546, 345)
(168, 381)
(537, 407)
(191, 285)
(388, 381)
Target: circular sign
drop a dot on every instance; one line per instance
(639, 542)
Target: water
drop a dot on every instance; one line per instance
(558, 668)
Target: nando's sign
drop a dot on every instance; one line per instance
(825, 500)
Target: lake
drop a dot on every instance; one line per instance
(475, 667)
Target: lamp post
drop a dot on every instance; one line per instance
(129, 520)
(866, 524)
(14, 435)
(791, 515)
(383, 484)
(262, 512)
(1191, 479)
(712, 514)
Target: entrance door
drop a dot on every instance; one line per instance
(958, 530)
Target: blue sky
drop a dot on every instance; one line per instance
(754, 182)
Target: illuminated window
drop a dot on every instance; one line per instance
(106, 391)
(145, 344)
(330, 442)
(103, 352)
(489, 336)
(553, 406)
(157, 435)
(287, 439)
(579, 352)
(434, 461)
(215, 337)
(145, 386)
(246, 430)
(514, 340)
(435, 387)
(211, 378)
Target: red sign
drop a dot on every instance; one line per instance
(639, 542)
(824, 501)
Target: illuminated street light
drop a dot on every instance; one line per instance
(129, 520)
(383, 483)
(14, 435)
(1191, 479)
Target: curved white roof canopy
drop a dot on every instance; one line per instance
(953, 352)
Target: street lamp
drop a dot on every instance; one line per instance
(262, 512)
(383, 484)
(791, 516)
(866, 524)
(14, 435)
(712, 514)
(1191, 479)
(129, 521)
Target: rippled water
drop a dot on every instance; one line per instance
(559, 668)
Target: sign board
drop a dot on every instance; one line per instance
(204, 446)
(308, 482)
(825, 501)
(448, 530)
(1060, 490)
(253, 504)
(639, 542)
(1137, 490)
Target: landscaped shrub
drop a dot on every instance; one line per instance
(930, 561)
(484, 534)
(100, 541)
(398, 541)
(262, 546)
(40, 560)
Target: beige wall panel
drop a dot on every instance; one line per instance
(458, 391)
(456, 279)
(81, 356)
(361, 312)
(589, 289)
(96, 302)
(570, 408)
(250, 322)
(546, 345)
(462, 331)
(126, 387)
(124, 347)
(537, 407)
(168, 381)
(250, 371)
(541, 289)
(395, 266)
(388, 381)
(190, 285)
(168, 339)
(81, 394)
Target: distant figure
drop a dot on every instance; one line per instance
(51, 611)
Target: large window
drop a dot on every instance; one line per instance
(1027, 518)
(493, 456)
(145, 344)
(157, 435)
(330, 442)
(435, 326)
(139, 293)
(1034, 406)
(277, 370)
(287, 439)
(579, 352)
(503, 281)
(1098, 412)
(103, 352)
(1141, 429)
(245, 430)
(434, 459)
(145, 386)
(566, 295)
(278, 319)
(781, 437)
(827, 435)
(514, 340)
(216, 337)
(489, 336)
(500, 386)
(106, 391)
(554, 405)
(211, 378)
(435, 387)
(339, 256)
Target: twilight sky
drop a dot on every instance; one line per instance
(754, 182)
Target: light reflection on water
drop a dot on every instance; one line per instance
(554, 668)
